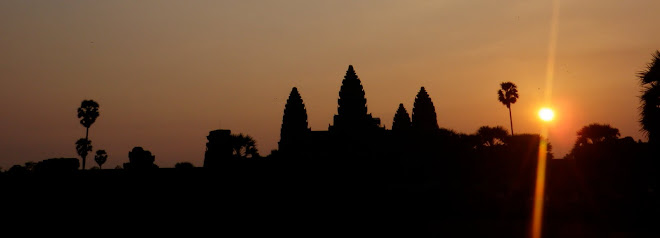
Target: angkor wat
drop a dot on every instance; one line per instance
(356, 138)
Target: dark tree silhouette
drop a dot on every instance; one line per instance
(507, 95)
(424, 117)
(401, 121)
(184, 165)
(295, 129)
(140, 159)
(57, 166)
(490, 136)
(650, 108)
(87, 112)
(83, 147)
(596, 133)
(17, 170)
(591, 139)
(243, 146)
(100, 158)
(352, 105)
(30, 165)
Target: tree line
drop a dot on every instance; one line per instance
(245, 147)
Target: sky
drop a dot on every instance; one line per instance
(165, 73)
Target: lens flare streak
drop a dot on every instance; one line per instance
(539, 191)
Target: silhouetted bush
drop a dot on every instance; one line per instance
(17, 170)
(184, 165)
(57, 166)
(140, 159)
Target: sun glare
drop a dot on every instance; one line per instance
(546, 114)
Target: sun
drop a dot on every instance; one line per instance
(546, 114)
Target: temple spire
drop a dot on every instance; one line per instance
(424, 117)
(352, 101)
(401, 122)
(352, 106)
(294, 122)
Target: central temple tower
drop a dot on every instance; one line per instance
(352, 113)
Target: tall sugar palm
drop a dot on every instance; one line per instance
(507, 95)
(87, 112)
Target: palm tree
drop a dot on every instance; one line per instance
(83, 146)
(507, 95)
(596, 133)
(650, 108)
(88, 112)
(243, 146)
(491, 136)
(100, 158)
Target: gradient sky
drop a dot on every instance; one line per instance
(165, 73)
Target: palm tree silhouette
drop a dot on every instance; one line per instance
(100, 158)
(507, 95)
(491, 136)
(596, 133)
(244, 146)
(650, 108)
(87, 112)
(83, 146)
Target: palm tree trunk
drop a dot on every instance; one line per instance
(511, 120)
(84, 158)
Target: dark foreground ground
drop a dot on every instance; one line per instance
(263, 203)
